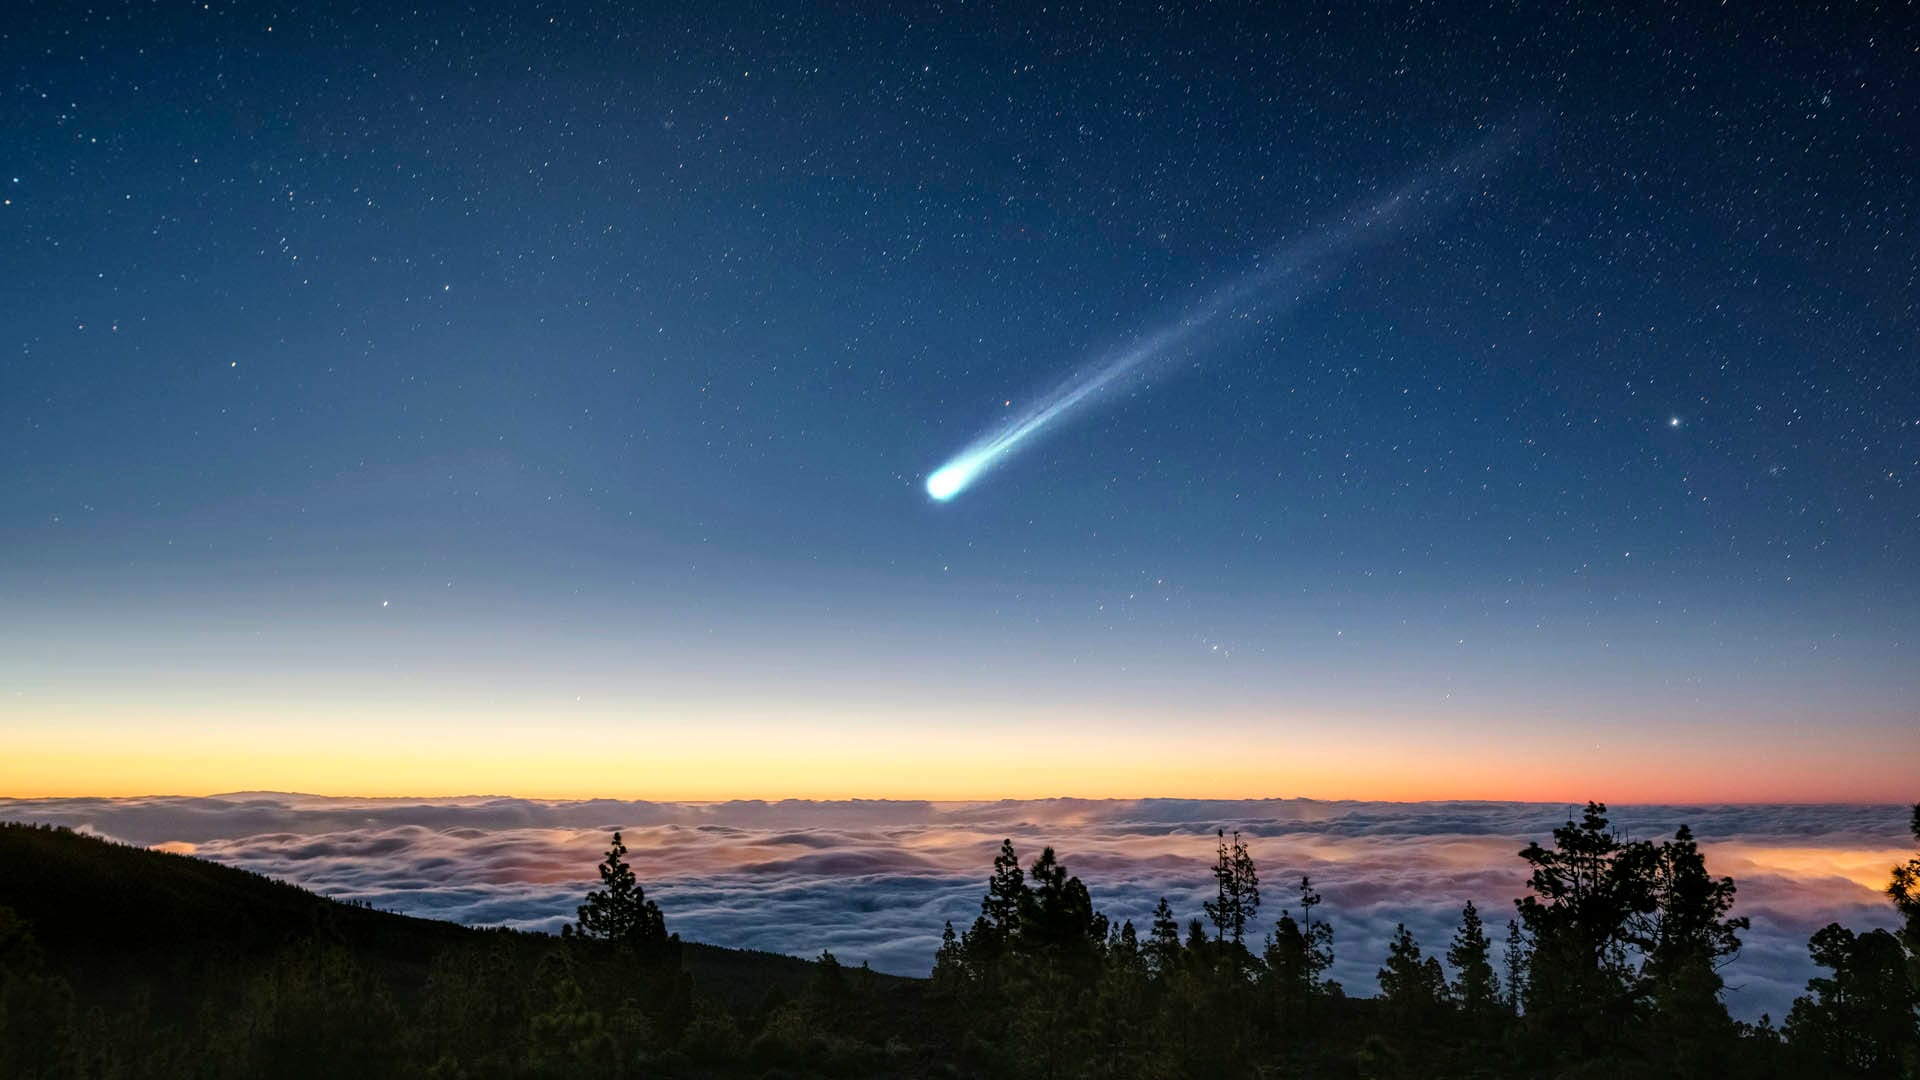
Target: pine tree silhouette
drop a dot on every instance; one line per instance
(1475, 987)
(1006, 892)
(1237, 882)
(1860, 1017)
(1518, 959)
(1580, 994)
(619, 912)
(1163, 942)
(1411, 985)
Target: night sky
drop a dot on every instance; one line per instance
(541, 399)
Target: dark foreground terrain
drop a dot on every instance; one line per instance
(117, 961)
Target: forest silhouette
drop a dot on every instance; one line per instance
(121, 962)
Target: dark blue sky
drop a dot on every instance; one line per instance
(550, 354)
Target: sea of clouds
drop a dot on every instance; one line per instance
(876, 881)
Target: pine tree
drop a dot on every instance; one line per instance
(1056, 914)
(620, 912)
(1685, 940)
(1042, 903)
(1318, 936)
(950, 963)
(1237, 882)
(1862, 1016)
(1220, 911)
(1058, 950)
(1475, 986)
(1586, 890)
(1006, 891)
(1412, 986)
(992, 933)
(1518, 958)
(1163, 942)
(1297, 957)
(1124, 949)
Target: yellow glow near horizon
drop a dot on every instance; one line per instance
(376, 753)
(179, 697)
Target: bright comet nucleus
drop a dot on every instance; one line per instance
(947, 481)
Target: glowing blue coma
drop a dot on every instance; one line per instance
(947, 481)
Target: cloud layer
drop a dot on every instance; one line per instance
(876, 881)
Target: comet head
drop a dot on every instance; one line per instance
(948, 480)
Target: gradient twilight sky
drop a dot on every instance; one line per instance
(540, 399)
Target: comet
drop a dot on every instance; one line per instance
(1305, 265)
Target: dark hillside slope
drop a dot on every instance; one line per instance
(109, 916)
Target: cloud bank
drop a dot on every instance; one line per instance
(876, 881)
